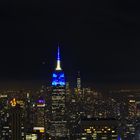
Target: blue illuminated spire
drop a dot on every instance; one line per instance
(58, 53)
(58, 78)
(58, 67)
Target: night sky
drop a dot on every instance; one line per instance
(99, 38)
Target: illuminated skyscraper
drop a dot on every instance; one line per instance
(79, 83)
(39, 124)
(17, 126)
(58, 122)
(78, 89)
(58, 75)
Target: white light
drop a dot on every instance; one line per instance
(38, 128)
(58, 65)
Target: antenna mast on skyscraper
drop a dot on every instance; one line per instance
(58, 67)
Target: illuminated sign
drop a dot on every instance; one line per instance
(13, 102)
(41, 103)
(40, 129)
(3, 96)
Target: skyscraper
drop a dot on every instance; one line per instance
(58, 121)
(17, 126)
(5, 132)
(39, 124)
(79, 83)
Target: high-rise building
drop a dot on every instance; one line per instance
(138, 109)
(5, 132)
(79, 83)
(39, 124)
(58, 109)
(17, 126)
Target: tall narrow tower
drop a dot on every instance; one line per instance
(58, 123)
(79, 83)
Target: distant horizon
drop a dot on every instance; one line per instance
(35, 84)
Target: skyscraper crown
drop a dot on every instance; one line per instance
(58, 66)
(58, 75)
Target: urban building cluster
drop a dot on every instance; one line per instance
(59, 112)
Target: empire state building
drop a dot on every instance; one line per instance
(58, 120)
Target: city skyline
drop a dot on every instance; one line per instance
(69, 70)
(100, 83)
(59, 111)
(36, 82)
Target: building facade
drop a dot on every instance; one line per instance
(58, 99)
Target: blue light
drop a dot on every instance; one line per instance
(119, 138)
(58, 54)
(54, 75)
(62, 75)
(41, 101)
(58, 83)
(58, 79)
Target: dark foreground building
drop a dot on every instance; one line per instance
(17, 126)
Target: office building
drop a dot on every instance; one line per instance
(58, 108)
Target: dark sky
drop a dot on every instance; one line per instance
(99, 38)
